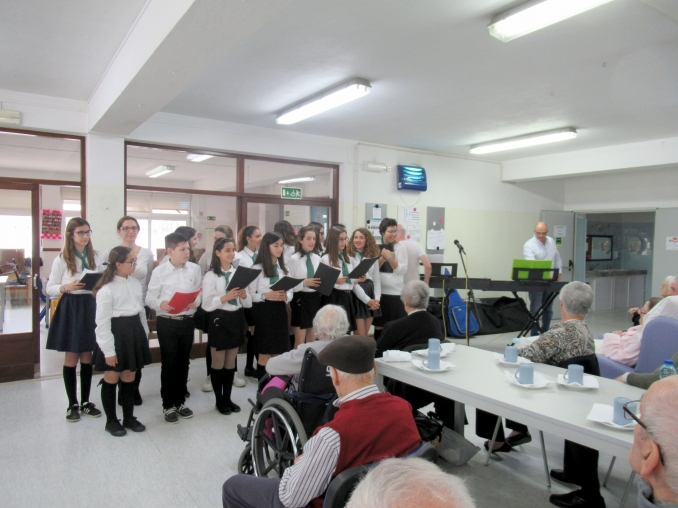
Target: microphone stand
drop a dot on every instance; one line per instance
(470, 297)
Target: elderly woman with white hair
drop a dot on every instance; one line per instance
(329, 323)
(402, 483)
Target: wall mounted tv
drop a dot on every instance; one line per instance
(411, 178)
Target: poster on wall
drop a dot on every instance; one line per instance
(51, 224)
(672, 243)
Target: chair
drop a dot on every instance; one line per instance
(660, 341)
(344, 483)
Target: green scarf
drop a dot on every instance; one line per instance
(275, 278)
(310, 271)
(82, 257)
(227, 276)
(344, 269)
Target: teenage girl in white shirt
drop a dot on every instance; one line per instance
(306, 301)
(368, 292)
(249, 239)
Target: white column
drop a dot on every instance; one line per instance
(105, 188)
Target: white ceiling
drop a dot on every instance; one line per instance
(440, 82)
(61, 48)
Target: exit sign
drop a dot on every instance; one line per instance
(290, 193)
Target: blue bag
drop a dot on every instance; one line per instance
(455, 317)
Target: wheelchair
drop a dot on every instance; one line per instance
(283, 417)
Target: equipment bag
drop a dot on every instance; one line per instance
(502, 315)
(455, 317)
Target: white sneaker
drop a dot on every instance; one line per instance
(207, 385)
(238, 381)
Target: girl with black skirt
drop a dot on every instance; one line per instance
(270, 307)
(337, 257)
(368, 293)
(249, 239)
(122, 338)
(72, 328)
(227, 322)
(306, 301)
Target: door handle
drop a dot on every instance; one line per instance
(35, 281)
(570, 265)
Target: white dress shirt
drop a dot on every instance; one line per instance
(206, 259)
(349, 264)
(288, 252)
(120, 297)
(60, 275)
(298, 269)
(414, 252)
(166, 280)
(373, 275)
(392, 283)
(262, 284)
(246, 256)
(144, 269)
(534, 249)
(214, 287)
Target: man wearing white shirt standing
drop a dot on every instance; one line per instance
(542, 248)
(415, 254)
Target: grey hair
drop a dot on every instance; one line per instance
(330, 322)
(669, 280)
(366, 377)
(577, 298)
(400, 483)
(660, 414)
(415, 294)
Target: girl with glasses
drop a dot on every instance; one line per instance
(72, 328)
(122, 338)
(128, 230)
(336, 256)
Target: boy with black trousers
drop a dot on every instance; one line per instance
(175, 330)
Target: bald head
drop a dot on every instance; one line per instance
(401, 232)
(540, 231)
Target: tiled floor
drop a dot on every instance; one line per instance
(46, 461)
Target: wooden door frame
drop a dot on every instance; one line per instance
(29, 357)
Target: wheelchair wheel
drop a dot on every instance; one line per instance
(278, 437)
(245, 465)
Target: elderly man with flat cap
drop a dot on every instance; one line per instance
(368, 427)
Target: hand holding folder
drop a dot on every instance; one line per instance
(180, 301)
(328, 278)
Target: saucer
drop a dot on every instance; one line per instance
(590, 382)
(539, 381)
(602, 413)
(444, 366)
(500, 359)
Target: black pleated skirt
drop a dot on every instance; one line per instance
(226, 329)
(305, 305)
(362, 311)
(202, 320)
(392, 308)
(131, 345)
(249, 316)
(347, 300)
(270, 328)
(72, 327)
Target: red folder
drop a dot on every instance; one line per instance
(180, 301)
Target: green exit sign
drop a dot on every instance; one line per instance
(290, 193)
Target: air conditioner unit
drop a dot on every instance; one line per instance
(375, 167)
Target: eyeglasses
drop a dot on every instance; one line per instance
(83, 233)
(131, 262)
(127, 229)
(391, 231)
(343, 239)
(629, 414)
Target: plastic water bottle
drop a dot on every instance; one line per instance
(667, 369)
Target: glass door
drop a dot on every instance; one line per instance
(19, 281)
(265, 213)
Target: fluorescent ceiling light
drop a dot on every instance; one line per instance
(301, 179)
(539, 138)
(20, 134)
(346, 92)
(536, 14)
(169, 212)
(196, 157)
(159, 171)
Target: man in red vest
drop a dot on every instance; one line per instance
(368, 427)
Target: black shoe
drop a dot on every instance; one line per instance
(188, 394)
(171, 415)
(134, 425)
(518, 439)
(73, 413)
(503, 448)
(137, 398)
(184, 412)
(224, 410)
(90, 409)
(250, 372)
(559, 475)
(235, 408)
(575, 500)
(115, 429)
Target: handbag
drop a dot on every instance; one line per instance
(430, 429)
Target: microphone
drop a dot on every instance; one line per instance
(459, 246)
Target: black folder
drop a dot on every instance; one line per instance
(90, 280)
(328, 278)
(242, 278)
(362, 268)
(286, 283)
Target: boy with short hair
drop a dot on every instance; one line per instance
(175, 331)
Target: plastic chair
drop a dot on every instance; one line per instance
(345, 482)
(660, 341)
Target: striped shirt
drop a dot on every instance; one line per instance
(312, 474)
